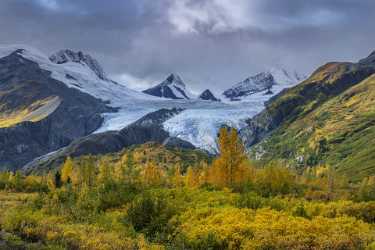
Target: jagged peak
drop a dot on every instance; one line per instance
(172, 87)
(174, 79)
(67, 55)
(260, 76)
(263, 81)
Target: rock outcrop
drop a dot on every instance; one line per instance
(65, 56)
(208, 96)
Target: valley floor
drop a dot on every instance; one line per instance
(190, 219)
(153, 198)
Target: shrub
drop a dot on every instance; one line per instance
(21, 222)
(300, 211)
(250, 200)
(150, 213)
(232, 228)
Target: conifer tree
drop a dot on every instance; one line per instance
(57, 179)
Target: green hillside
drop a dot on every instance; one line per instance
(340, 132)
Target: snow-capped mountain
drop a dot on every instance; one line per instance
(39, 112)
(208, 96)
(66, 55)
(77, 73)
(172, 88)
(198, 123)
(262, 82)
(251, 85)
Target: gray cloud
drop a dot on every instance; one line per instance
(211, 43)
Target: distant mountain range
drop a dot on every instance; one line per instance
(175, 88)
(47, 102)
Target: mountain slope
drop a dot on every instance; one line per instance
(173, 88)
(147, 129)
(38, 113)
(329, 118)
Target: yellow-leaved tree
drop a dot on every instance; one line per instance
(177, 179)
(85, 174)
(67, 171)
(192, 177)
(126, 170)
(152, 175)
(105, 171)
(230, 168)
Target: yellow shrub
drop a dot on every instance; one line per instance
(234, 228)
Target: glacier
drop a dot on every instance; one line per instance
(198, 123)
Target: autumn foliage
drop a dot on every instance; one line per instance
(127, 202)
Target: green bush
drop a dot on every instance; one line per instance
(250, 200)
(300, 211)
(21, 222)
(150, 213)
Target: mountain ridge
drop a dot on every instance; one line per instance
(282, 130)
(66, 55)
(262, 82)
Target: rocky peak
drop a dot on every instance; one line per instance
(173, 87)
(66, 55)
(257, 83)
(208, 96)
(174, 79)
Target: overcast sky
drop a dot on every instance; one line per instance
(210, 43)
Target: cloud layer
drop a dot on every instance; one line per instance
(211, 43)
